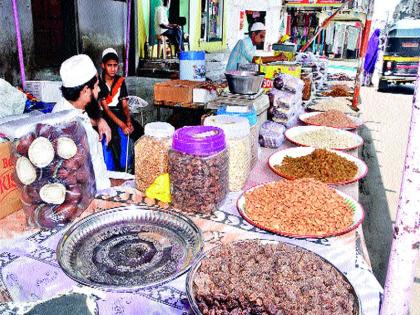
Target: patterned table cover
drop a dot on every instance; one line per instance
(29, 270)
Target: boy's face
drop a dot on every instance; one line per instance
(110, 67)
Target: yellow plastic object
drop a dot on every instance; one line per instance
(272, 70)
(290, 55)
(160, 189)
(284, 38)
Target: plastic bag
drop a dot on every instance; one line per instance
(292, 84)
(55, 173)
(283, 99)
(272, 134)
(160, 189)
(12, 101)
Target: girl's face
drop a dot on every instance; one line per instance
(110, 67)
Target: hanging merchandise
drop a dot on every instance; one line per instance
(353, 36)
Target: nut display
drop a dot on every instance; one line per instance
(325, 137)
(151, 154)
(299, 207)
(55, 173)
(253, 277)
(198, 184)
(332, 118)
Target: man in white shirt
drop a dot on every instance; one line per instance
(245, 49)
(163, 27)
(80, 93)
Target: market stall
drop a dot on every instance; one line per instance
(271, 169)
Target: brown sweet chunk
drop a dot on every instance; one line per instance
(249, 277)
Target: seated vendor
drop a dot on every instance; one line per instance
(113, 99)
(244, 51)
(163, 27)
(80, 93)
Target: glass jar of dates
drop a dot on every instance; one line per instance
(198, 169)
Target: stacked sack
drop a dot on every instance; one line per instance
(286, 100)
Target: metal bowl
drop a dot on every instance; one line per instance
(196, 266)
(129, 248)
(244, 82)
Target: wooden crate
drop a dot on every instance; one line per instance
(174, 92)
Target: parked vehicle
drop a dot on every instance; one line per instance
(402, 54)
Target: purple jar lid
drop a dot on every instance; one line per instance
(199, 140)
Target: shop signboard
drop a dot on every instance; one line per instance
(313, 3)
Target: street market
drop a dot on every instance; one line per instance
(231, 184)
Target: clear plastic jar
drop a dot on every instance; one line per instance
(198, 169)
(251, 115)
(237, 133)
(151, 153)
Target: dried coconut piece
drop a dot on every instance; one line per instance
(25, 170)
(41, 152)
(66, 148)
(53, 193)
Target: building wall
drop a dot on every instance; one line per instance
(96, 30)
(273, 19)
(9, 64)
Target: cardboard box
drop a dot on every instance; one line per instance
(175, 92)
(45, 91)
(9, 191)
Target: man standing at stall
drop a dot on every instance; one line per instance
(245, 49)
(80, 93)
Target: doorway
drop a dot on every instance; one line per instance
(56, 32)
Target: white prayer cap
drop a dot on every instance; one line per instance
(258, 26)
(109, 51)
(77, 70)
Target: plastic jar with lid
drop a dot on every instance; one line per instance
(198, 169)
(151, 154)
(237, 133)
(251, 115)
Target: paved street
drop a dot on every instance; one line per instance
(387, 117)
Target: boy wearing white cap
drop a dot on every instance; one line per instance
(244, 50)
(113, 99)
(80, 93)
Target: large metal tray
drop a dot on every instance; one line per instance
(129, 248)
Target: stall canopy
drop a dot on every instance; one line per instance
(405, 28)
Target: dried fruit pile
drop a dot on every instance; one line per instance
(321, 164)
(338, 90)
(249, 277)
(332, 118)
(299, 207)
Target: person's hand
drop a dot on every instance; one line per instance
(130, 126)
(126, 129)
(104, 129)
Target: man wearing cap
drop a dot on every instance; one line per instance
(244, 50)
(80, 93)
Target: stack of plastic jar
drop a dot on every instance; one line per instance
(237, 133)
(251, 115)
(198, 169)
(151, 154)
